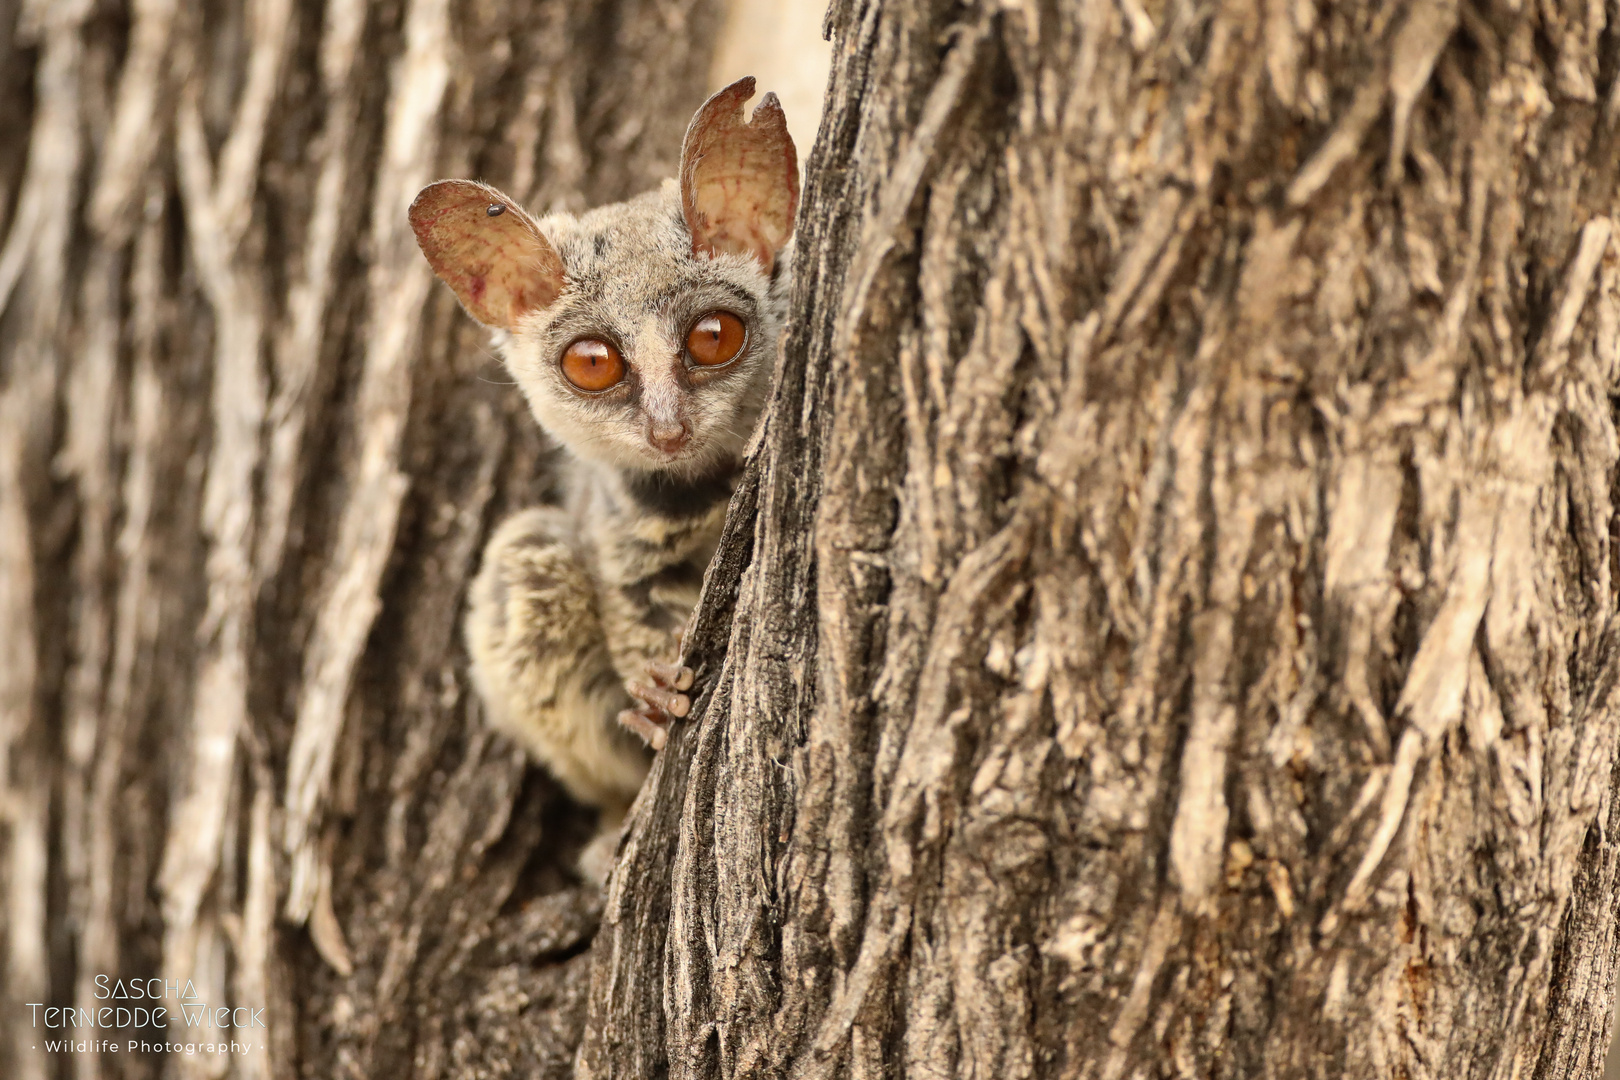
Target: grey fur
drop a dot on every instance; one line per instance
(572, 603)
(631, 278)
(577, 611)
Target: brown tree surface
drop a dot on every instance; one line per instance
(1173, 627)
(1167, 629)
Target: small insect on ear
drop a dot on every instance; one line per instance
(487, 249)
(739, 178)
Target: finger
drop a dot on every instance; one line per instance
(670, 676)
(652, 732)
(668, 700)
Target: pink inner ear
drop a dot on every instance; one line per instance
(500, 268)
(739, 178)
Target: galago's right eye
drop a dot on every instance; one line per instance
(593, 365)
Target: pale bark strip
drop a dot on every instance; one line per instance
(238, 173)
(23, 789)
(133, 637)
(1361, 521)
(1552, 350)
(43, 221)
(218, 202)
(298, 349)
(201, 815)
(87, 456)
(398, 285)
(255, 933)
(135, 130)
(27, 870)
(133, 631)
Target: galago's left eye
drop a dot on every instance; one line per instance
(715, 339)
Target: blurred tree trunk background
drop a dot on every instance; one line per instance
(248, 454)
(1168, 629)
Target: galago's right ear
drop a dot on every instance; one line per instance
(739, 177)
(487, 250)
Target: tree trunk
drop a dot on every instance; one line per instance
(1168, 627)
(248, 455)
(1166, 631)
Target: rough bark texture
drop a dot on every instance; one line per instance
(1168, 629)
(248, 456)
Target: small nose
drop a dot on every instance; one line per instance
(669, 436)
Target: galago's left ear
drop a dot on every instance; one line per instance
(739, 178)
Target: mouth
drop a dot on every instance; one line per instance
(687, 460)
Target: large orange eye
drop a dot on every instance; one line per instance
(593, 365)
(715, 338)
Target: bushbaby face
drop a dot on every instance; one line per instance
(644, 333)
(652, 356)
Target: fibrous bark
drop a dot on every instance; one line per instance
(1168, 629)
(248, 455)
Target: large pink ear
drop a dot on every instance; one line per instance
(487, 249)
(739, 179)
